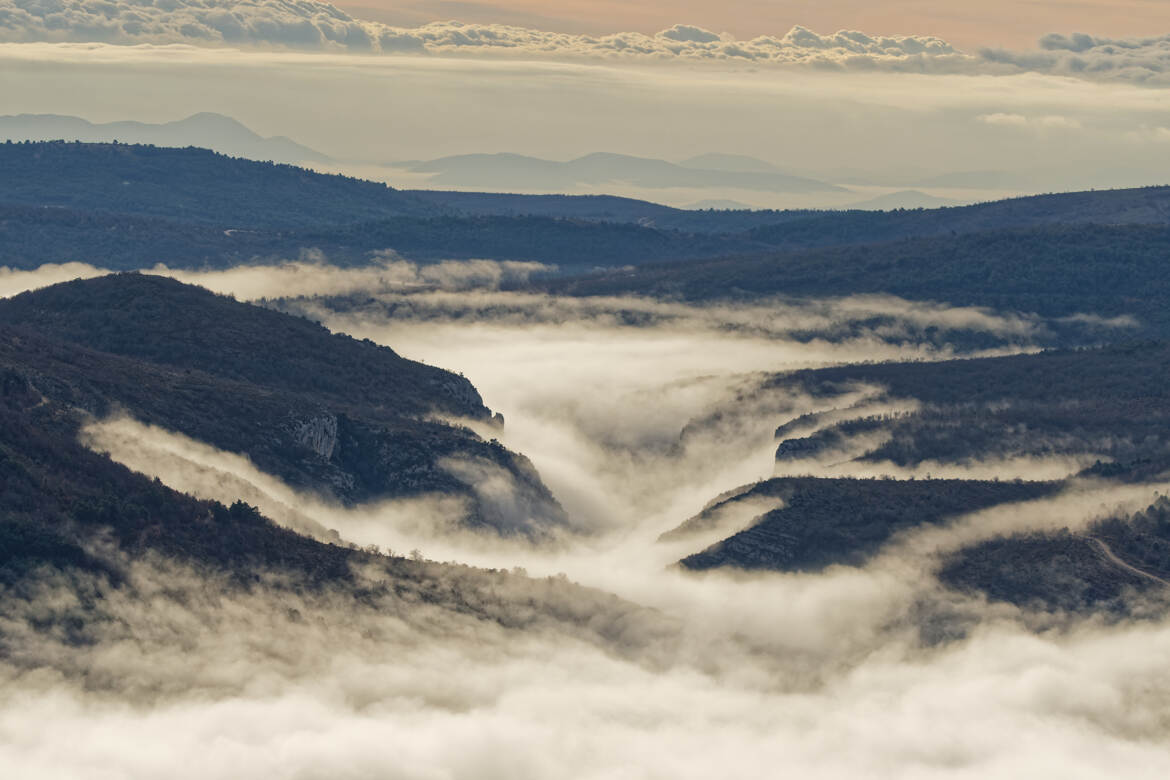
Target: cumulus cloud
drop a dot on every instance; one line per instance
(313, 24)
(320, 26)
(800, 46)
(293, 23)
(1137, 60)
(685, 33)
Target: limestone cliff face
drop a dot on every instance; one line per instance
(318, 434)
(462, 395)
(357, 460)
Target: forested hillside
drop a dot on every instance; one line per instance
(166, 322)
(1110, 566)
(324, 412)
(31, 236)
(1060, 271)
(1141, 206)
(1107, 409)
(824, 522)
(1118, 565)
(190, 185)
(99, 537)
(129, 207)
(1110, 403)
(57, 498)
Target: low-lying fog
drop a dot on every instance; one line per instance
(636, 414)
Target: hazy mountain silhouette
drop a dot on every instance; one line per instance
(514, 171)
(905, 199)
(715, 161)
(206, 130)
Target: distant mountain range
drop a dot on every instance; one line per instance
(717, 161)
(206, 130)
(511, 172)
(519, 172)
(906, 199)
(729, 177)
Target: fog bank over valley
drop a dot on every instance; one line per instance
(638, 413)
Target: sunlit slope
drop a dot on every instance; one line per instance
(324, 412)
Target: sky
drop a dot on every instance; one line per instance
(878, 96)
(1014, 23)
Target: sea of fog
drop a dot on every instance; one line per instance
(636, 413)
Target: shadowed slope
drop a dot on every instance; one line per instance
(321, 411)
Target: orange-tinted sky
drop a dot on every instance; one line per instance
(966, 23)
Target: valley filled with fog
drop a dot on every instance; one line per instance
(584, 391)
(637, 413)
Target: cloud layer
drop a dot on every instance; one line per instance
(1141, 61)
(314, 25)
